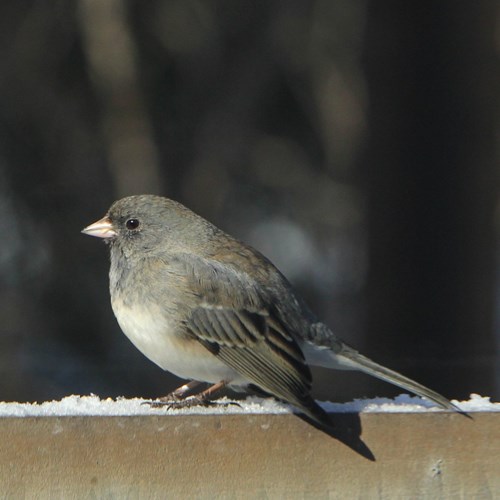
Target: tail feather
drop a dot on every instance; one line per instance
(353, 359)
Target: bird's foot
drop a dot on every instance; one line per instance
(161, 402)
(179, 394)
(179, 399)
(189, 402)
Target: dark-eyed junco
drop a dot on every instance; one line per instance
(209, 308)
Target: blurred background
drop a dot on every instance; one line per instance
(354, 142)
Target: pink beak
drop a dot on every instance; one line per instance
(103, 228)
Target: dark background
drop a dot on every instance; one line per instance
(355, 143)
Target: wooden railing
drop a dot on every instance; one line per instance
(389, 455)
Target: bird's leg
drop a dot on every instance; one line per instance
(213, 389)
(175, 396)
(181, 392)
(204, 398)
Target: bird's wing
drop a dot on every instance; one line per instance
(232, 316)
(257, 346)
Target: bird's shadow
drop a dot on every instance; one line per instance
(346, 428)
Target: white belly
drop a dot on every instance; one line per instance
(149, 330)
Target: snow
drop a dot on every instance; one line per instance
(94, 406)
(411, 404)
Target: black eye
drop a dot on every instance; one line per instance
(132, 224)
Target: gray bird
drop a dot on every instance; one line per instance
(209, 308)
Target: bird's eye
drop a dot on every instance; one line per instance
(132, 224)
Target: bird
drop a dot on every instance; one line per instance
(211, 309)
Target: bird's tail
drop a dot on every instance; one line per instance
(350, 358)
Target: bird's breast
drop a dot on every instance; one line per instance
(162, 340)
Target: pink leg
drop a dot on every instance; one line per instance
(181, 392)
(201, 399)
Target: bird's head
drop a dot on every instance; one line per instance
(145, 224)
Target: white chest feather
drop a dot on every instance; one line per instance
(156, 337)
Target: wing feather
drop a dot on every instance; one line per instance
(265, 355)
(235, 320)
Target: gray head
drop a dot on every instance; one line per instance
(146, 223)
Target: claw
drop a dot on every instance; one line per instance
(189, 403)
(178, 399)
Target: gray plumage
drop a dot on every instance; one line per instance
(207, 307)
